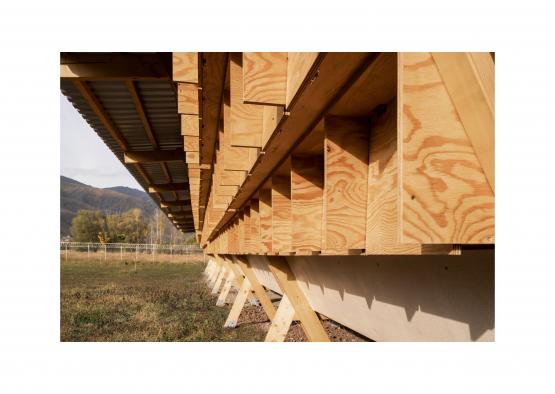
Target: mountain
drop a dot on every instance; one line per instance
(75, 196)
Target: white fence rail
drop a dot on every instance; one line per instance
(125, 249)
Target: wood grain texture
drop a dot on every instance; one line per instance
(190, 125)
(307, 193)
(232, 178)
(446, 197)
(187, 99)
(246, 119)
(346, 182)
(185, 67)
(256, 286)
(191, 143)
(265, 206)
(281, 322)
(377, 85)
(281, 213)
(298, 66)
(270, 119)
(469, 80)
(255, 226)
(247, 229)
(382, 220)
(303, 311)
(264, 77)
(238, 304)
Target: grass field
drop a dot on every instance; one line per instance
(157, 301)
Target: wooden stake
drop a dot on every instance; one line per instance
(281, 321)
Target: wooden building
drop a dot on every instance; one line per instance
(359, 186)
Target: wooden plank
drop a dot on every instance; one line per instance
(346, 182)
(214, 70)
(190, 125)
(307, 191)
(238, 304)
(232, 178)
(265, 207)
(187, 99)
(153, 156)
(226, 288)
(192, 157)
(336, 74)
(303, 311)
(264, 77)
(256, 286)
(255, 227)
(281, 321)
(298, 66)
(218, 281)
(281, 211)
(445, 197)
(115, 66)
(469, 80)
(271, 116)
(185, 67)
(191, 143)
(246, 119)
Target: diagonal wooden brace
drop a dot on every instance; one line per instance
(302, 310)
(238, 304)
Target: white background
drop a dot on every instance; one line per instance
(32, 360)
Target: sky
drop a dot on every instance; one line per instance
(83, 155)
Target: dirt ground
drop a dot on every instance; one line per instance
(254, 315)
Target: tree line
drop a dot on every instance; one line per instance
(128, 227)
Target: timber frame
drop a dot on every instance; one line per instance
(298, 163)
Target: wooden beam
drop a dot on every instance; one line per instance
(346, 182)
(185, 67)
(287, 282)
(226, 288)
(256, 286)
(441, 203)
(140, 110)
(281, 209)
(168, 187)
(115, 66)
(99, 110)
(153, 156)
(325, 84)
(299, 65)
(187, 99)
(177, 203)
(265, 208)
(238, 304)
(246, 119)
(469, 79)
(264, 77)
(281, 321)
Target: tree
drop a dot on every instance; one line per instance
(130, 227)
(87, 225)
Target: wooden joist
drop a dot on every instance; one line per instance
(168, 187)
(153, 156)
(264, 77)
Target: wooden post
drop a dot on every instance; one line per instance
(238, 304)
(66, 251)
(302, 309)
(218, 280)
(104, 252)
(121, 252)
(88, 251)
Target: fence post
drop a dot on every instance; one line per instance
(153, 253)
(88, 251)
(104, 252)
(171, 252)
(120, 252)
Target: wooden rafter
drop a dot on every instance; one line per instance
(168, 187)
(154, 156)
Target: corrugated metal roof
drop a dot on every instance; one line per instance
(160, 105)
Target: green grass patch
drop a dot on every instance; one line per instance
(113, 301)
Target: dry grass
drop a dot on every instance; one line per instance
(160, 301)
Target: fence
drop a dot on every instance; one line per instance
(127, 251)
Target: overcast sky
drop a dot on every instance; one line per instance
(84, 157)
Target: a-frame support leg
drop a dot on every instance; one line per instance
(301, 308)
(281, 321)
(218, 281)
(226, 288)
(238, 304)
(256, 286)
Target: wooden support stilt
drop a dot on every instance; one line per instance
(238, 304)
(218, 282)
(226, 288)
(256, 286)
(281, 321)
(302, 310)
